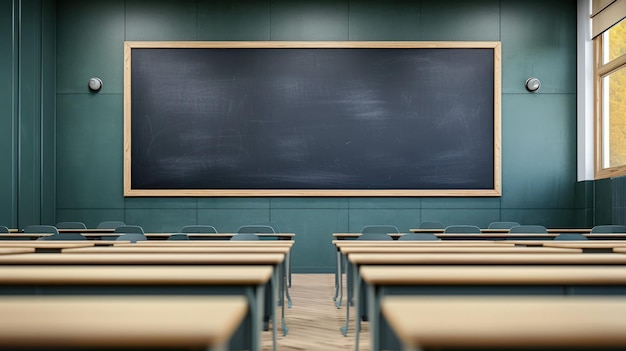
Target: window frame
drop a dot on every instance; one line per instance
(602, 70)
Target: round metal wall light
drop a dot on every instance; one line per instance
(95, 84)
(533, 84)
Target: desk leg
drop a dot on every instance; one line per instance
(344, 329)
(283, 290)
(338, 284)
(373, 302)
(275, 276)
(289, 269)
(357, 308)
(257, 302)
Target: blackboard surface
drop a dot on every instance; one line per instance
(291, 118)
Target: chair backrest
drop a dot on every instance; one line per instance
(256, 228)
(612, 228)
(570, 236)
(462, 229)
(198, 228)
(64, 236)
(502, 225)
(374, 236)
(71, 225)
(431, 225)
(178, 236)
(4, 229)
(132, 237)
(244, 236)
(529, 229)
(129, 229)
(46, 229)
(381, 229)
(110, 224)
(419, 236)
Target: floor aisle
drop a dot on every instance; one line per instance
(314, 321)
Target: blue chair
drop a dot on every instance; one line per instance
(256, 228)
(71, 225)
(178, 236)
(110, 224)
(570, 236)
(45, 229)
(419, 236)
(462, 229)
(502, 225)
(132, 237)
(132, 233)
(381, 229)
(64, 236)
(244, 236)
(129, 229)
(431, 225)
(529, 229)
(4, 229)
(374, 236)
(611, 228)
(198, 228)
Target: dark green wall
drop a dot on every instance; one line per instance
(538, 130)
(27, 123)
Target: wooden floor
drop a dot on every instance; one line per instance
(313, 320)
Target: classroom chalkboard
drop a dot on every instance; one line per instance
(312, 119)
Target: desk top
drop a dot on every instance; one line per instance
(586, 244)
(52, 244)
(495, 235)
(134, 275)
(32, 236)
(15, 250)
(181, 250)
(146, 259)
(222, 235)
(119, 321)
(493, 275)
(487, 230)
(482, 259)
(451, 249)
(505, 322)
(426, 243)
(214, 243)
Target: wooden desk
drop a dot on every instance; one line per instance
(452, 249)
(241, 280)
(398, 253)
(588, 245)
(338, 297)
(228, 236)
(215, 243)
(120, 322)
(506, 322)
(46, 246)
(199, 249)
(93, 259)
(606, 236)
(87, 231)
(177, 249)
(487, 230)
(496, 236)
(487, 280)
(15, 250)
(471, 259)
(23, 236)
(223, 236)
(425, 243)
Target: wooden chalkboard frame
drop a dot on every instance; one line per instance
(129, 46)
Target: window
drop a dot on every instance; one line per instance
(610, 109)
